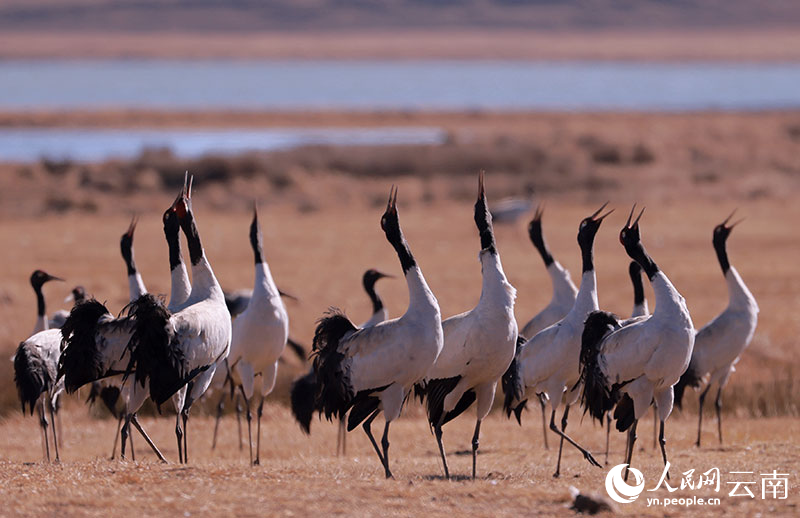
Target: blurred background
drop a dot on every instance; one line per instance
(315, 107)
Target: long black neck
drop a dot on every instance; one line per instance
(192, 237)
(255, 241)
(127, 255)
(407, 260)
(174, 244)
(483, 220)
(639, 254)
(537, 238)
(377, 303)
(40, 309)
(722, 255)
(587, 253)
(638, 287)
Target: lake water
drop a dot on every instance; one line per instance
(30, 144)
(355, 85)
(397, 85)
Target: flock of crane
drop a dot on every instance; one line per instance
(615, 368)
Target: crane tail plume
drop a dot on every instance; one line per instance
(81, 359)
(596, 398)
(30, 375)
(333, 395)
(303, 394)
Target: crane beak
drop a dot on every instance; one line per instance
(481, 188)
(636, 222)
(391, 207)
(132, 226)
(598, 211)
(287, 295)
(537, 215)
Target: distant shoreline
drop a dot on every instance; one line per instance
(661, 45)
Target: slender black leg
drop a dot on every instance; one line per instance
(475, 444)
(700, 414)
(185, 417)
(385, 445)
(718, 406)
(544, 423)
(561, 442)
(367, 426)
(608, 435)
(43, 424)
(663, 442)
(341, 437)
(135, 421)
(220, 409)
(631, 442)
(124, 435)
(55, 435)
(239, 421)
(258, 432)
(133, 449)
(249, 420)
(437, 430)
(586, 454)
(116, 436)
(179, 436)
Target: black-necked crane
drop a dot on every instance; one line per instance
(38, 279)
(478, 344)
(259, 337)
(564, 290)
(564, 293)
(630, 367)
(304, 389)
(548, 363)
(639, 311)
(372, 370)
(35, 374)
(720, 343)
(170, 350)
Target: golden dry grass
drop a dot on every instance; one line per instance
(301, 476)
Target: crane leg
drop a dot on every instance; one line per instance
(385, 445)
(631, 442)
(239, 421)
(663, 442)
(341, 437)
(475, 444)
(584, 451)
(700, 414)
(179, 436)
(135, 421)
(718, 406)
(249, 421)
(608, 435)
(124, 434)
(437, 430)
(544, 422)
(220, 408)
(43, 424)
(258, 431)
(185, 417)
(116, 437)
(367, 426)
(55, 435)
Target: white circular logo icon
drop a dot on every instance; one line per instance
(618, 489)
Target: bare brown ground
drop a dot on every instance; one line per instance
(776, 44)
(301, 476)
